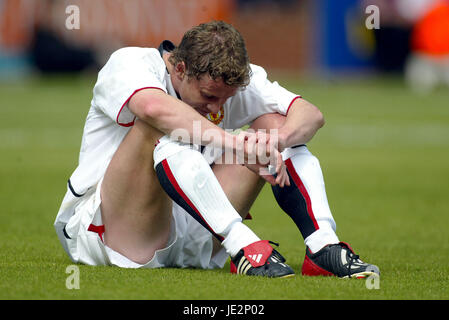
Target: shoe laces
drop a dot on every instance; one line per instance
(276, 254)
(351, 257)
(275, 243)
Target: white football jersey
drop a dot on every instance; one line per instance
(132, 69)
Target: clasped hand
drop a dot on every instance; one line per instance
(258, 151)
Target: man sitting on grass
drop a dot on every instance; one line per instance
(160, 183)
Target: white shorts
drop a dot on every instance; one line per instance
(189, 244)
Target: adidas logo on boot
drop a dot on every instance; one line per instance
(260, 259)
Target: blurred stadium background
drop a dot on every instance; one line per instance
(384, 150)
(323, 37)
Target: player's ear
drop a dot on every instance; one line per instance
(180, 70)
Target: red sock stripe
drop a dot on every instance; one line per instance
(302, 189)
(175, 184)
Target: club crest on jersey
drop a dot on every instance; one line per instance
(216, 118)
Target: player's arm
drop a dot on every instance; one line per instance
(302, 122)
(167, 114)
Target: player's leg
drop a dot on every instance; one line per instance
(305, 201)
(188, 179)
(135, 210)
(241, 186)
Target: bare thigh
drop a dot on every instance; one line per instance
(135, 210)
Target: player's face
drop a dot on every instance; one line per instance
(205, 95)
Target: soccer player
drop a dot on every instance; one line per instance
(154, 186)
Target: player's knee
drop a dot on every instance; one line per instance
(150, 133)
(194, 167)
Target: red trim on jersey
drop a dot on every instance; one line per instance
(130, 124)
(97, 229)
(178, 189)
(292, 103)
(303, 190)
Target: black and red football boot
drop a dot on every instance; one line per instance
(260, 259)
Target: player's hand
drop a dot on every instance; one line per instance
(258, 151)
(276, 171)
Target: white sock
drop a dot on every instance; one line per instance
(320, 238)
(198, 182)
(238, 237)
(308, 167)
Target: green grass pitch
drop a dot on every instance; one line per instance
(384, 152)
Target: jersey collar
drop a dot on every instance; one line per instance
(167, 46)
